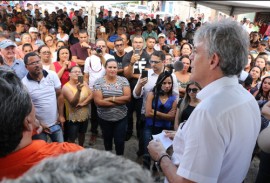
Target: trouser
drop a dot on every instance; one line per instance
(263, 175)
(114, 130)
(134, 105)
(55, 136)
(94, 119)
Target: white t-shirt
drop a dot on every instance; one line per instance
(216, 142)
(65, 38)
(94, 68)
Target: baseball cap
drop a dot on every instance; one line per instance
(150, 23)
(6, 43)
(33, 29)
(52, 31)
(74, 18)
(161, 35)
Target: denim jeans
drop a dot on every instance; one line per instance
(74, 128)
(147, 136)
(55, 137)
(114, 130)
(263, 175)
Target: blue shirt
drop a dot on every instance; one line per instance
(18, 67)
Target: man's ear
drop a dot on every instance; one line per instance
(214, 61)
(27, 124)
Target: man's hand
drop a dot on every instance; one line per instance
(155, 149)
(143, 81)
(170, 133)
(84, 44)
(134, 58)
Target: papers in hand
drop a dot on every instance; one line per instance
(166, 141)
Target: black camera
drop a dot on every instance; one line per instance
(99, 50)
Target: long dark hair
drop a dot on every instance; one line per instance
(186, 100)
(61, 48)
(260, 91)
(163, 76)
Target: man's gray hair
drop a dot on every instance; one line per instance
(89, 165)
(229, 41)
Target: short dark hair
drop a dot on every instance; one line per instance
(30, 54)
(159, 54)
(15, 106)
(61, 48)
(27, 44)
(110, 60)
(82, 31)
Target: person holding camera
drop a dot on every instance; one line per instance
(94, 69)
(77, 95)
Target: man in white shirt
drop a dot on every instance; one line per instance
(216, 143)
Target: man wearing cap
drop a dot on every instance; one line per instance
(149, 31)
(161, 42)
(7, 48)
(33, 31)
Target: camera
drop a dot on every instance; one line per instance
(99, 50)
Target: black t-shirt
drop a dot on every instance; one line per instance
(186, 112)
(119, 61)
(138, 66)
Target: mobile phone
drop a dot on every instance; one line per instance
(80, 79)
(102, 29)
(144, 74)
(137, 51)
(55, 128)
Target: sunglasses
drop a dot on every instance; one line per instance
(118, 45)
(46, 52)
(34, 63)
(154, 62)
(194, 90)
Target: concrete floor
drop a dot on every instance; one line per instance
(131, 148)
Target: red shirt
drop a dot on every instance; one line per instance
(65, 77)
(18, 162)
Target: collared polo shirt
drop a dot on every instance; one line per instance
(18, 67)
(43, 95)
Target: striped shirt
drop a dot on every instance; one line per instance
(114, 113)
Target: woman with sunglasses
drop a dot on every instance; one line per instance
(186, 105)
(111, 94)
(165, 113)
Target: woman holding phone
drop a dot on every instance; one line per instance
(77, 96)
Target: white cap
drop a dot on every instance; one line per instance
(33, 29)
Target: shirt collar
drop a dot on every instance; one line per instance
(216, 85)
(45, 74)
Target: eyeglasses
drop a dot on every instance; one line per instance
(118, 45)
(49, 40)
(194, 90)
(34, 63)
(154, 62)
(46, 52)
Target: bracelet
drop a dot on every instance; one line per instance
(113, 99)
(162, 156)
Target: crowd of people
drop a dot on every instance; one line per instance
(65, 82)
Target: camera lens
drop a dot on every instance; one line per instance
(99, 50)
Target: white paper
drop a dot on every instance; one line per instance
(166, 141)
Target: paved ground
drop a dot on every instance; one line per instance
(131, 148)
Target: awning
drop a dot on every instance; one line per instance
(236, 7)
